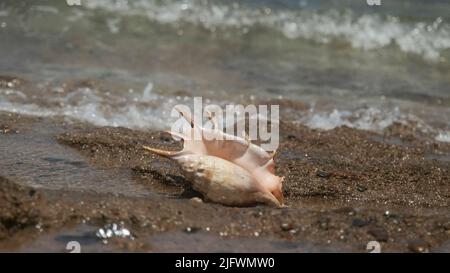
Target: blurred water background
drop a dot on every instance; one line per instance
(346, 62)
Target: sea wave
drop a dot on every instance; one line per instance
(367, 31)
(149, 110)
(89, 105)
(370, 118)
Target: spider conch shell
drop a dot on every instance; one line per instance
(227, 169)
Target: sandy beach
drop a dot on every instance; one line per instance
(364, 123)
(343, 188)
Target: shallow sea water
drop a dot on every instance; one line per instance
(350, 63)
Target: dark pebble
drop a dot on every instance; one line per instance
(323, 174)
(358, 222)
(380, 234)
(361, 188)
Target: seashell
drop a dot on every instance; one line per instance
(226, 169)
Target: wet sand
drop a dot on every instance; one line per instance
(343, 187)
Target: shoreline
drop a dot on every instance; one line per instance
(343, 187)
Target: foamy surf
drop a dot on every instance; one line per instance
(223, 51)
(368, 118)
(147, 110)
(88, 105)
(443, 136)
(367, 32)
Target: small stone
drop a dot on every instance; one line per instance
(323, 174)
(361, 188)
(191, 229)
(196, 200)
(418, 246)
(380, 234)
(286, 226)
(32, 192)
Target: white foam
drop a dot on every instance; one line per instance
(370, 119)
(113, 25)
(367, 32)
(153, 112)
(88, 105)
(443, 136)
(367, 118)
(147, 94)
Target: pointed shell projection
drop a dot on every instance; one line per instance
(226, 169)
